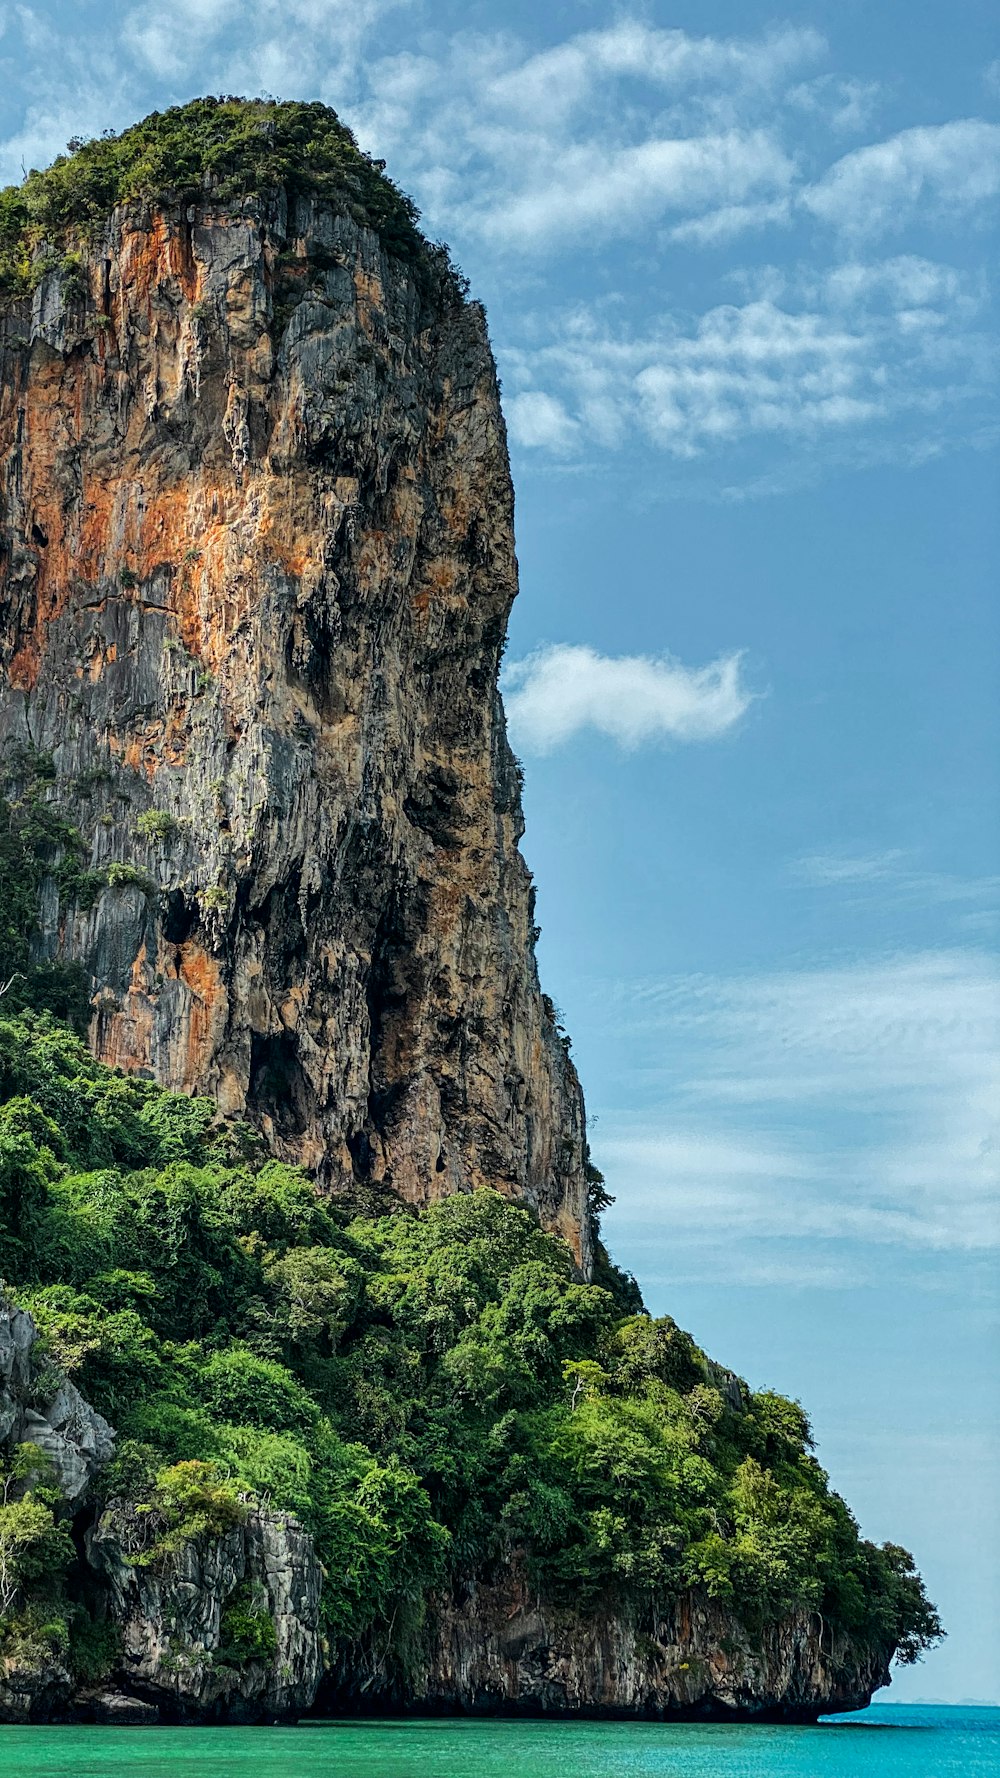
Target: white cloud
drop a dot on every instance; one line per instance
(563, 78)
(830, 1105)
(673, 140)
(562, 690)
(830, 871)
(935, 171)
(814, 356)
(846, 105)
(615, 189)
(600, 135)
(897, 880)
(718, 227)
(535, 419)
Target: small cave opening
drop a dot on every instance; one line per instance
(278, 1086)
(362, 1152)
(179, 916)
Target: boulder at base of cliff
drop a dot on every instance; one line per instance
(116, 1709)
(33, 1690)
(185, 1620)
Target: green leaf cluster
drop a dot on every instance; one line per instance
(35, 1551)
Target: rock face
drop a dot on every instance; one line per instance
(256, 563)
(504, 1649)
(174, 1623)
(77, 1439)
(500, 1649)
(37, 1407)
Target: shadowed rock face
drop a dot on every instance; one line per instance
(50, 1413)
(171, 1614)
(498, 1647)
(256, 563)
(173, 1619)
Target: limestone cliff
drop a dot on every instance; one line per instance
(256, 563)
(499, 1648)
(171, 1617)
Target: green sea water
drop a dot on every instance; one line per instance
(920, 1742)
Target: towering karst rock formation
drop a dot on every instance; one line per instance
(256, 564)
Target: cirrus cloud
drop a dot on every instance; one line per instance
(851, 1102)
(808, 355)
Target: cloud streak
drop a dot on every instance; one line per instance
(652, 141)
(852, 1104)
(813, 355)
(565, 689)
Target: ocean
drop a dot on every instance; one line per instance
(884, 1742)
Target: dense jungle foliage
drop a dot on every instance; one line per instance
(427, 1392)
(221, 150)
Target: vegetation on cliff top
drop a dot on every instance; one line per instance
(211, 150)
(429, 1393)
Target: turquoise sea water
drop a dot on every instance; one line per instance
(919, 1742)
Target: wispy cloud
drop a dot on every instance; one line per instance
(896, 878)
(562, 690)
(845, 104)
(935, 170)
(658, 141)
(566, 77)
(616, 190)
(596, 137)
(829, 870)
(832, 1106)
(816, 354)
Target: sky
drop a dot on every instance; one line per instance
(737, 268)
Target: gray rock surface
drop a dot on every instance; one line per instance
(116, 1709)
(499, 1648)
(33, 1691)
(76, 1438)
(172, 1615)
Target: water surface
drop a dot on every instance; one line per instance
(918, 1742)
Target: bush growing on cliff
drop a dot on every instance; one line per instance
(427, 1392)
(34, 1546)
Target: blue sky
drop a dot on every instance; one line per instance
(737, 268)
